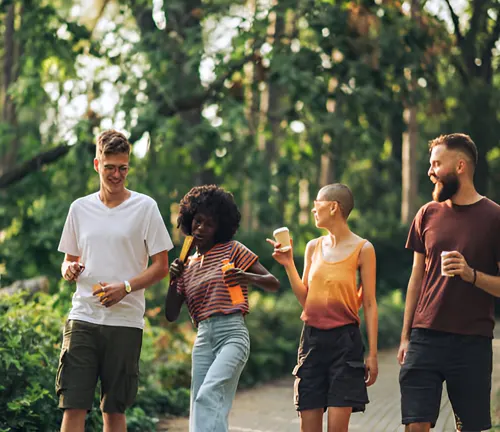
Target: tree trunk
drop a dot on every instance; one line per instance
(327, 171)
(8, 154)
(409, 199)
(409, 167)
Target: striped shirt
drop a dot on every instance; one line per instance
(202, 283)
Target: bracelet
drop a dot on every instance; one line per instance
(475, 277)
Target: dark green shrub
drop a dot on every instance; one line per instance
(29, 349)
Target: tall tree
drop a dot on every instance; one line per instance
(477, 110)
(409, 201)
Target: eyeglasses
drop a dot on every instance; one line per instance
(112, 169)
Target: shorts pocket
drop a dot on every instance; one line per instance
(131, 384)
(60, 375)
(354, 383)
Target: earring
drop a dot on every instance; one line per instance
(332, 213)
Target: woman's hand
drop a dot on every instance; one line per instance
(284, 258)
(236, 276)
(176, 269)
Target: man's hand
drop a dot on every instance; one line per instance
(71, 270)
(236, 276)
(111, 293)
(403, 348)
(454, 264)
(371, 370)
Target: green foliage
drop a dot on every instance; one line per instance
(29, 341)
(274, 327)
(29, 351)
(390, 320)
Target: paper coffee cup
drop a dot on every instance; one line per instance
(282, 236)
(443, 273)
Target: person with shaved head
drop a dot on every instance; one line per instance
(448, 322)
(331, 372)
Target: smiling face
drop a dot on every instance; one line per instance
(113, 171)
(444, 170)
(203, 229)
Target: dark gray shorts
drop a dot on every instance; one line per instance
(464, 362)
(91, 351)
(330, 371)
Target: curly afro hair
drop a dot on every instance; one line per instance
(212, 201)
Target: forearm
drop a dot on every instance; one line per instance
(488, 283)
(153, 274)
(371, 320)
(267, 282)
(412, 296)
(173, 302)
(298, 287)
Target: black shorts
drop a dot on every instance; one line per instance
(330, 371)
(464, 362)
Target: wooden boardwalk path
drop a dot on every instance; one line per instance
(269, 407)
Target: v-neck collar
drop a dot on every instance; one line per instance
(111, 209)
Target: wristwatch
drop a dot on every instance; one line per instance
(128, 288)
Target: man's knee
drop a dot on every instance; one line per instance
(114, 422)
(73, 420)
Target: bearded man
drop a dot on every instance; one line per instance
(448, 321)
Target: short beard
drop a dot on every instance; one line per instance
(445, 188)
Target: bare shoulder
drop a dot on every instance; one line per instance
(368, 246)
(311, 245)
(367, 252)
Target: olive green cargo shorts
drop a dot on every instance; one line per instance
(91, 351)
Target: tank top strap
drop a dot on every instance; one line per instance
(357, 251)
(318, 249)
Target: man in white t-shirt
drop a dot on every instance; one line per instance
(107, 240)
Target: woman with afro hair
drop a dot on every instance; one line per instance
(217, 300)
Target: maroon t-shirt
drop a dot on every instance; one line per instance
(450, 304)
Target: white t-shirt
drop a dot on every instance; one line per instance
(114, 244)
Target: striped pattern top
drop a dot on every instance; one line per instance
(202, 283)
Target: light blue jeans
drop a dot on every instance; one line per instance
(220, 352)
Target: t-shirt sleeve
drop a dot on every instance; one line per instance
(157, 237)
(242, 257)
(415, 240)
(69, 242)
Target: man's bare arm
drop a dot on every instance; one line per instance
(412, 296)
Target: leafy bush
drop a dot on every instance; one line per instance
(30, 343)
(29, 350)
(274, 327)
(390, 320)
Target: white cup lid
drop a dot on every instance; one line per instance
(279, 230)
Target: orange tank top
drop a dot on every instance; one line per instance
(333, 298)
